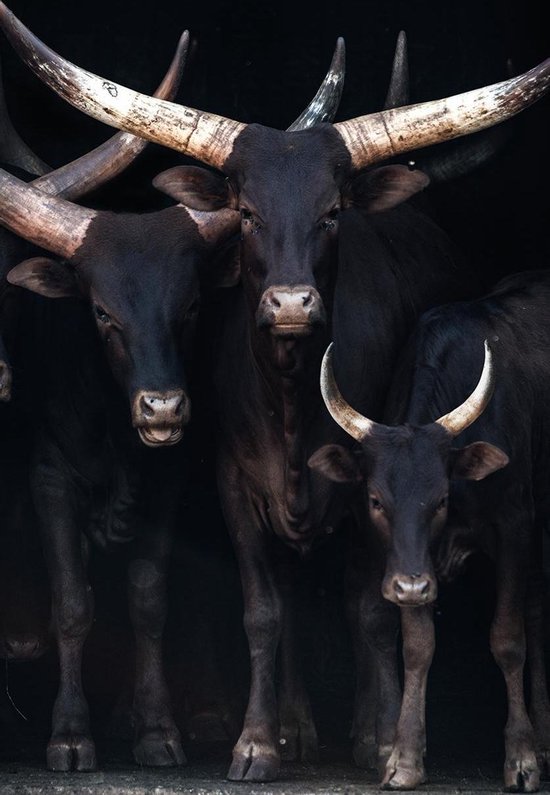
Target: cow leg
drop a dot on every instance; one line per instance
(157, 739)
(374, 627)
(539, 711)
(298, 735)
(256, 755)
(405, 767)
(71, 746)
(521, 771)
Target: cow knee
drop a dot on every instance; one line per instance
(73, 610)
(508, 649)
(263, 623)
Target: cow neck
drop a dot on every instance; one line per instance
(281, 365)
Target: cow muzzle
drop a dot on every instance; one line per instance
(160, 416)
(412, 590)
(290, 311)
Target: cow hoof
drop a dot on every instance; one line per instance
(522, 775)
(298, 741)
(402, 773)
(254, 761)
(71, 752)
(365, 753)
(159, 748)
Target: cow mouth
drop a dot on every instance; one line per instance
(291, 329)
(160, 436)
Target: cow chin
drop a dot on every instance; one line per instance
(160, 436)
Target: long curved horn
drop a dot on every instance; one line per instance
(13, 150)
(324, 105)
(51, 223)
(464, 415)
(378, 136)
(398, 89)
(102, 164)
(347, 418)
(205, 136)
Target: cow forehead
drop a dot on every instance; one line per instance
(128, 245)
(132, 262)
(307, 161)
(409, 459)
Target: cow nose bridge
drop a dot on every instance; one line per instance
(414, 589)
(290, 309)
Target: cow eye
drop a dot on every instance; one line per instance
(101, 314)
(376, 505)
(247, 218)
(330, 219)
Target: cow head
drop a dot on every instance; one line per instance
(288, 187)
(139, 274)
(405, 473)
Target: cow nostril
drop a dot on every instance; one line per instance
(179, 408)
(424, 587)
(398, 588)
(146, 405)
(307, 299)
(275, 301)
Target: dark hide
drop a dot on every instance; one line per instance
(292, 190)
(487, 488)
(124, 326)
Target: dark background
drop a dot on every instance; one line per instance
(262, 62)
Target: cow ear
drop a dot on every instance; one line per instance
(384, 188)
(477, 460)
(196, 188)
(336, 463)
(46, 277)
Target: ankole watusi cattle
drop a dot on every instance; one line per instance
(475, 477)
(140, 276)
(24, 602)
(23, 606)
(303, 209)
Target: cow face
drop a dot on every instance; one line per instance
(289, 189)
(140, 275)
(405, 472)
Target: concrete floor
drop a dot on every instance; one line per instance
(207, 777)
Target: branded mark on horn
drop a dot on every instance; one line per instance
(112, 89)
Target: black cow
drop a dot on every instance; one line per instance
(140, 274)
(24, 604)
(290, 189)
(422, 489)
